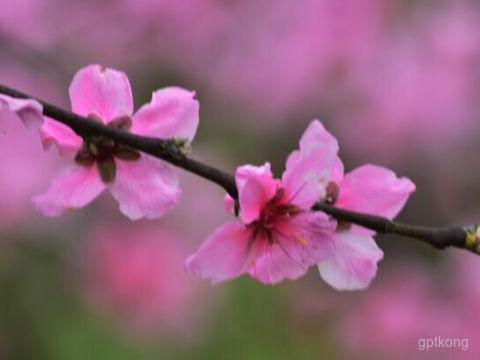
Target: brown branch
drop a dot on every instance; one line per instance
(439, 237)
(168, 150)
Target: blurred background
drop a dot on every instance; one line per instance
(396, 81)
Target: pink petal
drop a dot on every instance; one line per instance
(256, 186)
(299, 243)
(28, 110)
(146, 188)
(223, 255)
(75, 187)
(102, 91)
(53, 132)
(309, 169)
(314, 134)
(353, 263)
(247, 172)
(374, 190)
(229, 204)
(172, 113)
(338, 172)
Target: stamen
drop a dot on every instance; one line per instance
(298, 263)
(300, 239)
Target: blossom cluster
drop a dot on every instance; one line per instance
(277, 236)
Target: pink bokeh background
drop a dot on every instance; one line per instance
(397, 83)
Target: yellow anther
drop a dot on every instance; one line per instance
(301, 240)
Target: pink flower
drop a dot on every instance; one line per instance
(280, 237)
(28, 110)
(369, 189)
(143, 186)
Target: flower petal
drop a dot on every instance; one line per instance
(353, 263)
(53, 132)
(374, 190)
(298, 243)
(338, 172)
(256, 186)
(262, 173)
(73, 188)
(28, 110)
(229, 204)
(101, 91)
(309, 169)
(172, 112)
(223, 255)
(146, 188)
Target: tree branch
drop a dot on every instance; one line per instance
(439, 237)
(169, 150)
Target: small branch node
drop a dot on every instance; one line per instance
(472, 239)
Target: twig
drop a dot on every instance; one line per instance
(439, 237)
(168, 150)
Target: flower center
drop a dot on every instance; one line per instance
(274, 212)
(102, 151)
